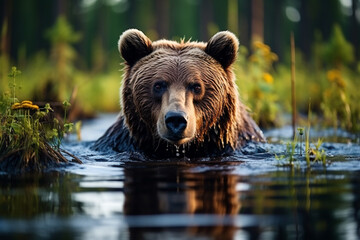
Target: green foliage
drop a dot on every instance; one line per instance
(263, 86)
(336, 102)
(294, 151)
(333, 91)
(328, 80)
(61, 36)
(62, 32)
(53, 78)
(256, 83)
(318, 154)
(290, 154)
(12, 84)
(337, 51)
(340, 97)
(4, 58)
(30, 137)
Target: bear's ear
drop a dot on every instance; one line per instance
(134, 45)
(223, 46)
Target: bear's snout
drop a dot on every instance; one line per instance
(176, 123)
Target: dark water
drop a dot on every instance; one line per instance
(240, 197)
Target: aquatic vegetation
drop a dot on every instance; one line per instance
(289, 155)
(312, 154)
(78, 125)
(316, 154)
(295, 149)
(301, 134)
(30, 136)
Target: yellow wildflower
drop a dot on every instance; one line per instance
(259, 45)
(334, 76)
(268, 78)
(25, 104)
(16, 106)
(31, 106)
(262, 47)
(264, 52)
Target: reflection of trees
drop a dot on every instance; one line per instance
(308, 202)
(177, 191)
(33, 195)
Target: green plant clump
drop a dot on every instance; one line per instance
(256, 83)
(30, 136)
(291, 155)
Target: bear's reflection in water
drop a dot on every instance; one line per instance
(158, 190)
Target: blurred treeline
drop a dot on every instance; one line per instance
(67, 46)
(100, 22)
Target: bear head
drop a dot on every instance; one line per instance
(180, 92)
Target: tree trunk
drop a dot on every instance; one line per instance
(306, 36)
(257, 20)
(162, 18)
(206, 18)
(355, 29)
(6, 28)
(233, 17)
(61, 7)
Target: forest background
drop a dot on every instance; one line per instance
(68, 50)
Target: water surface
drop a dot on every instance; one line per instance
(122, 196)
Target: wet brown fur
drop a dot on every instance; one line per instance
(222, 121)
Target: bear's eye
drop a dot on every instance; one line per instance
(195, 88)
(159, 88)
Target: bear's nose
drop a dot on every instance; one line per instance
(176, 123)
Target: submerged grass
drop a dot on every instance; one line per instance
(30, 136)
(312, 154)
(295, 149)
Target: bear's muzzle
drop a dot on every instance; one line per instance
(176, 123)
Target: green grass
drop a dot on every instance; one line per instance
(30, 136)
(265, 88)
(313, 153)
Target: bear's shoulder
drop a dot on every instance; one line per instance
(116, 138)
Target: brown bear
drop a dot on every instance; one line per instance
(179, 99)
